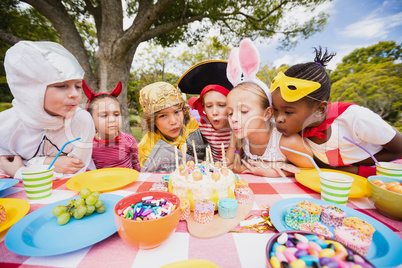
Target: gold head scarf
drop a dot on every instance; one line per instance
(159, 96)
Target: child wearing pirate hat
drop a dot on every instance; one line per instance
(209, 80)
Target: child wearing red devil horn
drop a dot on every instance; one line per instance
(111, 148)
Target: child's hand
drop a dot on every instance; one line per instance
(270, 169)
(10, 164)
(68, 165)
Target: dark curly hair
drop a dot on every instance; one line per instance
(315, 71)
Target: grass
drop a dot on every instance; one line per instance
(137, 133)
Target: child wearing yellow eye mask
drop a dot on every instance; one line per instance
(300, 102)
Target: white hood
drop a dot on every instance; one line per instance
(30, 68)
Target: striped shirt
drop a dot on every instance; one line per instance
(122, 151)
(215, 138)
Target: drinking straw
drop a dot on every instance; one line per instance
(306, 155)
(358, 145)
(54, 160)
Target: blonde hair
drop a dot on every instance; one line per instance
(263, 102)
(148, 122)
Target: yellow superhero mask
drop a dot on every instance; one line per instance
(301, 87)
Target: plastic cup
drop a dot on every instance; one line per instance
(335, 187)
(38, 181)
(389, 169)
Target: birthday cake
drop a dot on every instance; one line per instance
(196, 183)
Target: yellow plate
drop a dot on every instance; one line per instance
(311, 179)
(102, 180)
(196, 263)
(16, 209)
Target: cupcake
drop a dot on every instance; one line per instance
(244, 195)
(227, 208)
(160, 189)
(313, 209)
(353, 238)
(162, 183)
(317, 228)
(2, 214)
(332, 216)
(184, 209)
(295, 216)
(241, 182)
(204, 211)
(360, 225)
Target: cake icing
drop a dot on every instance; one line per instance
(196, 183)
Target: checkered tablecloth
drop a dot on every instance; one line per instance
(244, 249)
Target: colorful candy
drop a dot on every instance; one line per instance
(312, 251)
(148, 209)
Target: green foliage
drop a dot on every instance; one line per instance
(4, 106)
(267, 73)
(209, 48)
(27, 24)
(370, 77)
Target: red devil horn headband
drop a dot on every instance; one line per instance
(91, 95)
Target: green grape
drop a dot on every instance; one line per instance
(58, 210)
(101, 209)
(63, 218)
(91, 200)
(85, 193)
(72, 211)
(90, 210)
(98, 203)
(80, 212)
(79, 202)
(70, 203)
(96, 194)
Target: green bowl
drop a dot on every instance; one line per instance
(386, 202)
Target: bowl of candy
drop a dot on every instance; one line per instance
(386, 195)
(147, 219)
(305, 249)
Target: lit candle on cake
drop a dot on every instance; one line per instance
(223, 155)
(207, 160)
(195, 153)
(183, 152)
(176, 157)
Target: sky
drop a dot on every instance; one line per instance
(352, 24)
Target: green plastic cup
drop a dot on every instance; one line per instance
(335, 187)
(38, 181)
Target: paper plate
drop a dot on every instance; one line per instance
(311, 179)
(15, 210)
(7, 183)
(39, 234)
(384, 251)
(102, 180)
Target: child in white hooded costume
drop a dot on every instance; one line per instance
(29, 134)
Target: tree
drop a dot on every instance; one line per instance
(371, 78)
(21, 24)
(166, 22)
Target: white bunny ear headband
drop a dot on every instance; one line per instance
(243, 65)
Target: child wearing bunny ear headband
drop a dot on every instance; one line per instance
(111, 148)
(300, 102)
(254, 133)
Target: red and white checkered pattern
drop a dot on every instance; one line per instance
(245, 249)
